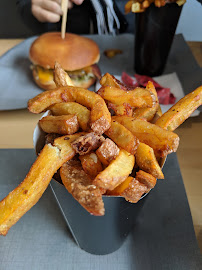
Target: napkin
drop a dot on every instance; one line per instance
(170, 81)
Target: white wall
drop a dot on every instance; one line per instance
(190, 23)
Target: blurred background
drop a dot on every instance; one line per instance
(189, 25)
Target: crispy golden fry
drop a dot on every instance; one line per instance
(137, 8)
(147, 113)
(60, 77)
(110, 80)
(107, 152)
(63, 124)
(138, 98)
(116, 172)
(131, 189)
(124, 109)
(100, 115)
(122, 137)
(179, 112)
(80, 111)
(146, 179)
(128, 6)
(27, 194)
(162, 141)
(110, 53)
(146, 161)
(91, 164)
(78, 183)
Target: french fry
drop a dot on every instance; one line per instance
(122, 137)
(138, 98)
(116, 172)
(91, 164)
(131, 189)
(110, 53)
(63, 124)
(78, 183)
(162, 141)
(179, 112)
(60, 77)
(146, 179)
(107, 152)
(147, 113)
(146, 161)
(124, 109)
(110, 80)
(27, 194)
(100, 115)
(82, 113)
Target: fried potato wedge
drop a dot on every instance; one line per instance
(91, 164)
(146, 178)
(122, 137)
(78, 183)
(107, 152)
(82, 113)
(110, 80)
(116, 172)
(147, 113)
(60, 77)
(162, 141)
(146, 161)
(27, 194)
(100, 115)
(179, 112)
(63, 124)
(131, 189)
(138, 98)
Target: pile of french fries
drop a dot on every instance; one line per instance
(113, 142)
(138, 6)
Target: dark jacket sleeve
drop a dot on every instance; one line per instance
(24, 8)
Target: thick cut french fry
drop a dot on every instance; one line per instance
(146, 179)
(131, 189)
(107, 152)
(179, 112)
(110, 80)
(138, 98)
(78, 183)
(82, 113)
(100, 115)
(122, 137)
(27, 194)
(91, 164)
(146, 161)
(63, 124)
(147, 113)
(60, 77)
(116, 172)
(162, 141)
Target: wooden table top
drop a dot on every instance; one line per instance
(17, 130)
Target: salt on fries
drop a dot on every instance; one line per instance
(101, 158)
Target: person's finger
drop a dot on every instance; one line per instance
(77, 2)
(43, 15)
(51, 6)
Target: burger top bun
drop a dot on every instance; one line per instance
(73, 53)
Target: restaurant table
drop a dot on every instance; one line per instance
(17, 128)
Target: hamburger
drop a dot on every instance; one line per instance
(76, 54)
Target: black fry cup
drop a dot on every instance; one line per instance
(154, 33)
(97, 235)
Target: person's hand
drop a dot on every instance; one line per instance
(50, 10)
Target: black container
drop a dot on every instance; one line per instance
(154, 33)
(98, 235)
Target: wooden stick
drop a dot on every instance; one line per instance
(64, 6)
